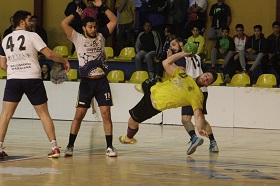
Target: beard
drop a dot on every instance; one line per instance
(90, 36)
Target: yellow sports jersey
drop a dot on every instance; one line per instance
(180, 90)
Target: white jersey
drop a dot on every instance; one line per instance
(91, 53)
(193, 68)
(21, 48)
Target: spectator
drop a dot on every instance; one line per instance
(169, 34)
(143, 14)
(77, 23)
(39, 30)
(11, 28)
(126, 10)
(148, 46)
(180, 17)
(255, 49)
(58, 75)
(196, 16)
(45, 72)
(90, 10)
(223, 49)
(273, 47)
(198, 40)
(220, 16)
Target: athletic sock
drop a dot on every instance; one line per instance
(131, 132)
(72, 138)
(192, 134)
(109, 140)
(53, 144)
(211, 137)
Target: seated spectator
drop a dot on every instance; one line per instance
(220, 16)
(39, 30)
(169, 34)
(223, 49)
(58, 75)
(90, 10)
(255, 49)
(148, 46)
(240, 39)
(273, 48)
(198, 40)
(45, 72)
(11, 28)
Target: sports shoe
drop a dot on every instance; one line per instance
(55, 153)
(68, 152)
(213, 146)
(195, 142)
(124, 140)
(3, 155)
(138, 87)
(112, 152)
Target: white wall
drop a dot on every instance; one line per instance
(248, 107)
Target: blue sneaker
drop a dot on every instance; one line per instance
(213, 146)
(195, 142)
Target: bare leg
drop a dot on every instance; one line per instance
(107, 122)
(76, 123)
(132, 124)
(8, 110)
(186, 121)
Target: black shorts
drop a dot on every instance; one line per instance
(33, 88)
(90, 88)
(188, 110)
(144, 109)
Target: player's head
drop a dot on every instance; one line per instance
(22, 19)
(177, 45)
(89, 26)
(207, 78)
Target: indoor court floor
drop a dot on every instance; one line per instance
(246, 157)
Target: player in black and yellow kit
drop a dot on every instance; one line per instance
(180, 90)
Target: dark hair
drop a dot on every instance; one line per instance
(226, 28)
(20, 15)
(148, 21)
(214, 74)
(196, 26)
(178, 40)
(276, 23)
(239, 26)
(258, 27)
(87, 20)
(36, 17)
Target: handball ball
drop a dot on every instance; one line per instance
(190, 47)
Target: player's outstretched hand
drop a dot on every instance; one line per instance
(66, 66)
(97, 3)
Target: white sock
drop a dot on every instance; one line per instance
(53, 144)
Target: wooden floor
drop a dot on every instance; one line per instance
(247, 157)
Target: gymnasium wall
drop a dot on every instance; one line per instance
(247, 12)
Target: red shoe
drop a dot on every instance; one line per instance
(55, 153)
(3, 155)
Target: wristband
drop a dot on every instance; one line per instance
(76, 15)
(103, 8)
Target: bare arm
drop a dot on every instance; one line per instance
(111, 16)
(65, 24)
(200, 122)
(55, 57)
(3, 63)
(168, 63)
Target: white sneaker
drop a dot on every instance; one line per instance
(112, 152)
(68, 152)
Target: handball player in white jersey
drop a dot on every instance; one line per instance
(192, 67)
(20, 60)
(93, 70)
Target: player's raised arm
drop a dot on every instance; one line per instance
(65, 23)
(111, 16)
(168, 63)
